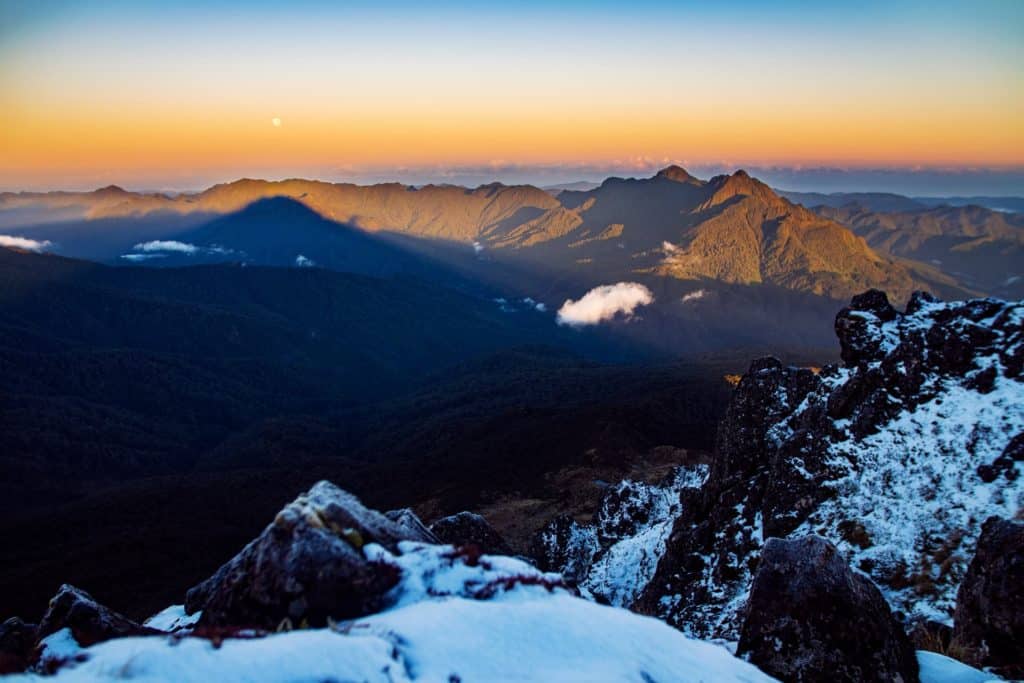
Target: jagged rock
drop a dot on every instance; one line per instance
(884, 456)
(989, 619)
(17, 640)
(306, 566)
(408, 519)
(810, 618)
(468, 528)
(856, 324)
(613, 557)
(89, 621)
(565, 546)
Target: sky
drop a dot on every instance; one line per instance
(179, 95)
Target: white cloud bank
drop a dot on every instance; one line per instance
(24, 243)
(604, 303)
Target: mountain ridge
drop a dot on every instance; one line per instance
(732, 228)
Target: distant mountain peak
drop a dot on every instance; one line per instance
(110, 190)
(675, 173)
(741, 183)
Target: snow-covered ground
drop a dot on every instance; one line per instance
(914, 486)
(455, 618)
(616, 556)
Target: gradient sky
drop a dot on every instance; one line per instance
(148, 95)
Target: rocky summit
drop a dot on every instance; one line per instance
(897, 456)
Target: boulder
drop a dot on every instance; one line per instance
(410, 521)
(89, 621)
(468, 528)
(17, 640)
(989, 618)
(810, 618)
(305, 567)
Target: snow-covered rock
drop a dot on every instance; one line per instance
(897, 457)
(454, 616)
(306, 566)
(612, 558)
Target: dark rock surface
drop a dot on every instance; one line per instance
(810, 618)
(409, 520)
(307, 566)
(17, 641)
(989, 619)
(89, 621)
(468, 528)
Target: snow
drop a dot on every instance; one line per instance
(431, 571)
(59, 645)
(616, 556)
(447, 623)
(936, 668)
(311, 655)
(173, 619)
(914, 487)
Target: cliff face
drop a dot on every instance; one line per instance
(897, 456)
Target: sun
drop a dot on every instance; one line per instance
(276, 121)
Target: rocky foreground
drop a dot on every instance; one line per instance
(850, 519)
(332, 591)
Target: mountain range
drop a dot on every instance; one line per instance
(730, 229)
(729, 262)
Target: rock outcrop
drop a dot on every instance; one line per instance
(468, 528)
(810, 618)
(89, 621)
(613, 557)
(306, 566)
(408, 519)
(17, 640)
(989, 622)
(894, 456)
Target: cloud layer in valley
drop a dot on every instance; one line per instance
(25, 243)
(604, 303)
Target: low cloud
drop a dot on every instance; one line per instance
(24, 243)
(604, 303)
(167, 245)
(137, 258)
(668, 247)
(303, 262)
(694, 296)
(534, 304)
